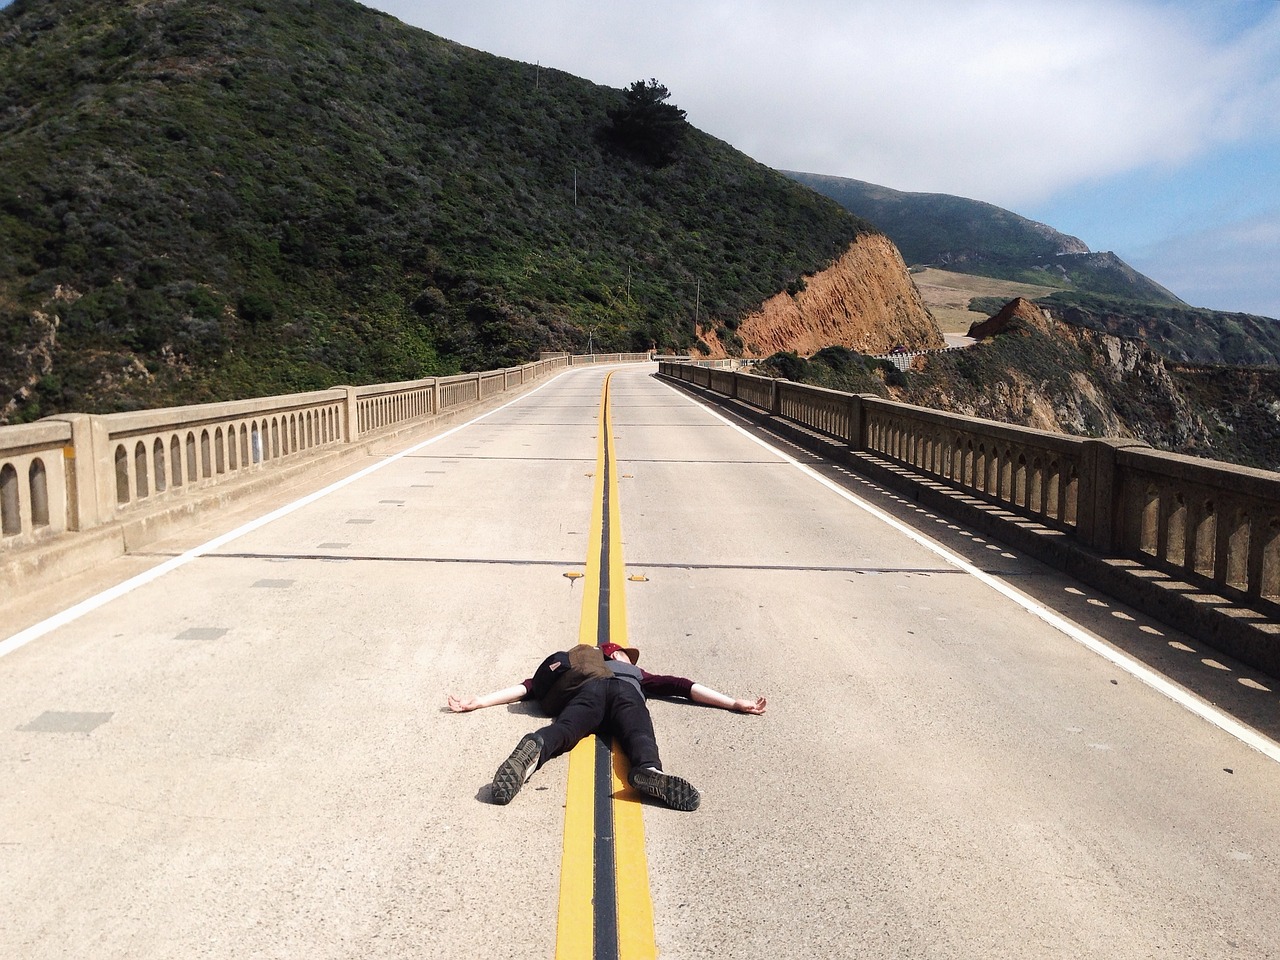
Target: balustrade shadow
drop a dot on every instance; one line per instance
(997, 543)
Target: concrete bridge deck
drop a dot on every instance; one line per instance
(964, 753)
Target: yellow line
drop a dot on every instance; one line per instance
(574, 923)
(587, 625)
(635, 904)
(574, 939)
(617, 569)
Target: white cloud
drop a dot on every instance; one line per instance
(1005, 101)
(1232, 267)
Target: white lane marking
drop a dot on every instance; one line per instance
(1228, 724)
(34, 632)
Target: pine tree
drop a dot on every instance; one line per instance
(646, 126)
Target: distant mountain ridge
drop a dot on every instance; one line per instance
(970, 236)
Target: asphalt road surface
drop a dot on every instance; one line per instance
(249, 755)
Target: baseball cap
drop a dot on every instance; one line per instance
(609, 649)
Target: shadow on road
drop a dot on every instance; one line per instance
(1245, 693)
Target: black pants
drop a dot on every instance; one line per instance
(610, 706)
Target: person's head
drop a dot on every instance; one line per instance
(613, 651)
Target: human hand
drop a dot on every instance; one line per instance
(750, 706)
(459, 705)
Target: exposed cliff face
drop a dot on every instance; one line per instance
(1017, 309)
(866, 300)
(33, 357)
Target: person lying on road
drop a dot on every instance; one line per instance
(593, 689)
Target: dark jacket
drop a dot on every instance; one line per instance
(559, 676)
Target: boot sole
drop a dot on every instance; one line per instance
(511, 775)
(676, 792)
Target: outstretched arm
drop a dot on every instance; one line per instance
(701, 693)
(498, 697)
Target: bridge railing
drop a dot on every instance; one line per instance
(75, 472)
(1204, 521)
(33, 480)
(1208, 521)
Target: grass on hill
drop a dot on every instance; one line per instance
(225, 198)
(958, 300)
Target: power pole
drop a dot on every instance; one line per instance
(697, 305)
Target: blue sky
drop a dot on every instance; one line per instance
(1146, 127)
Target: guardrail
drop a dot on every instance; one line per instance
(75, 472)
(902, 359)
(1209, 523)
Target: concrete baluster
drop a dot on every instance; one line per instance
(855, 422)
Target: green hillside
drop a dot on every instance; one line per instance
(969, 236)
(221, 198)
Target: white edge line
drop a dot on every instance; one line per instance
(88, 605)
(1183, 697)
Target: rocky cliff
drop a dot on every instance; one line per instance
(866, 300)
(1036, 370)
(1031, 368)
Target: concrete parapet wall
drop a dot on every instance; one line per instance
(1136, 521)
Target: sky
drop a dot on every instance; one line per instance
(1150, 128)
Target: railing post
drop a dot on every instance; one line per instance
(90, 472)
(855, 422)
(775, 399)
(435, 396)
(350, 416)
(1099, 499)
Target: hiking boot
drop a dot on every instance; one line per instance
(675, 792)
(516, 769)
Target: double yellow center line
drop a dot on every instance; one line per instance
(605, 908)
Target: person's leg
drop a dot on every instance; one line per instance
(581, 715)
(632, 725)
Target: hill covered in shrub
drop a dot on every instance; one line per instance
(213, 199)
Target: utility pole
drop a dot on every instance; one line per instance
(697, 304)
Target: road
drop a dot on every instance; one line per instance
(249, 755)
